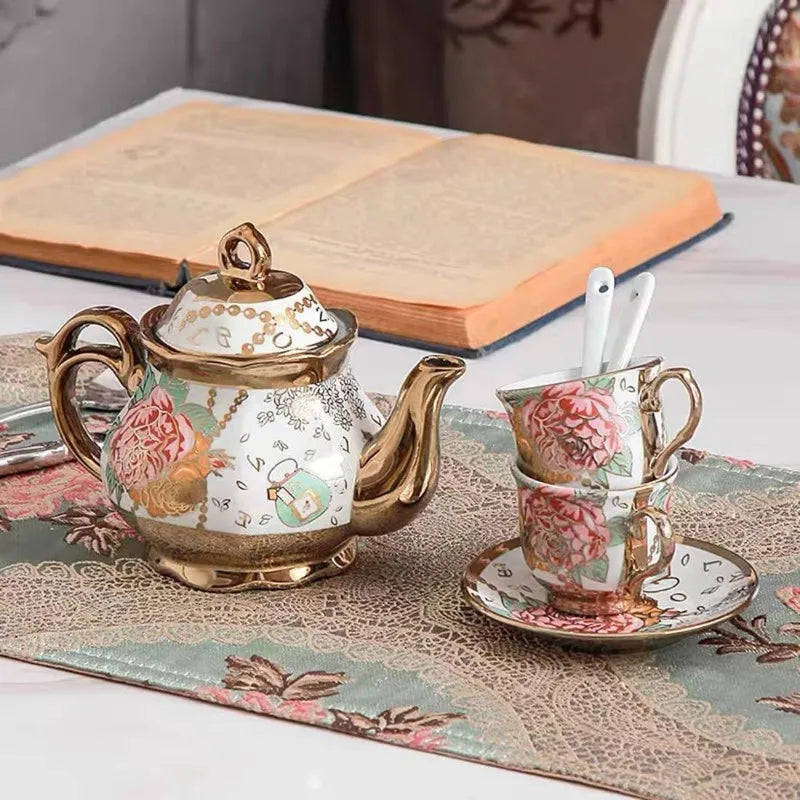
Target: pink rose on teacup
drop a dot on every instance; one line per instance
(564, 531)
(549, 617)
(149, 438)
(575, 427)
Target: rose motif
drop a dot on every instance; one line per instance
(789, 596)
(565, 530)
(166, 496)
(150, 437)
(26, 495)
(184, 484)
(549, 617)
(742, 464)
(575, 427)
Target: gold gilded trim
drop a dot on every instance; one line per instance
(65, 356)
(237, 552)
(220, 579)
(232, 268)
(511, 390)
(258, 372)
(618, 641)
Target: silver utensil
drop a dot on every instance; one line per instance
(98, 398)
(36, 456)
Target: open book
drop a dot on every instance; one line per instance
(457, 243)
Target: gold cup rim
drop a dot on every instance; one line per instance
(522, 477)
(516, 389)
(317, 363)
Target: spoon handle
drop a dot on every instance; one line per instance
(618, 355)
(599, 296)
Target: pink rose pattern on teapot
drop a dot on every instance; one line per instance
(167, 456)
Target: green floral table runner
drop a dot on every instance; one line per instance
(390, 652)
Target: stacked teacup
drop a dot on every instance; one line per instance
(594, 476)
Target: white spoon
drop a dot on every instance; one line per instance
(599, 296)
(618, 353)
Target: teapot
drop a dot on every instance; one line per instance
(248, 455)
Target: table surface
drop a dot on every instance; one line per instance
(728, 308)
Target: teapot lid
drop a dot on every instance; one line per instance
(245, 308)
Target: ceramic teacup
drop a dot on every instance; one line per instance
(593, 549)
(605, 430)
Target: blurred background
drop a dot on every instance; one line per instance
(563, 71)
(665, 80)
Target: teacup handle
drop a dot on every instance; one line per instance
(651, 402)
(637, 550)
(64, 356)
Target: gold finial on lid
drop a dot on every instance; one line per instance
(232, 268)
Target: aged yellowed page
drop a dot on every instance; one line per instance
(174, 183)
(469, 220)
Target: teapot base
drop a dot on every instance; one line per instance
(225, 579)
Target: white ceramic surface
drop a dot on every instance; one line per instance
(630, 320)
(723, 303)
(597, 313)
(594, 557)
(705, 585)
(590, 431)
(285, 461)
(245, 323)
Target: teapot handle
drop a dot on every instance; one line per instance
(64, 356)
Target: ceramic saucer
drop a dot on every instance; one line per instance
(706, 585)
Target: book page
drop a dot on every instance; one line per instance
(468, 220)
(174, 183)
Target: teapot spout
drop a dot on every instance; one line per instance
(399, 468)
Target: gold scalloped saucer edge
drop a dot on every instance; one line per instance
(637, 640)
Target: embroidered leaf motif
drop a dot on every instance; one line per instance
(97, 528)
(201, 418)
(618, 528)
(174, 387)
(353, 722)
(403, 720)
(622, 463)
(313, 685)
(791, 628)
(790, 703)
(777, 654)
(597, 569)
(257, 674)
(754, 638)
(254, 674)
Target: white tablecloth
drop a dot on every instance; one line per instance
(727, 308)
